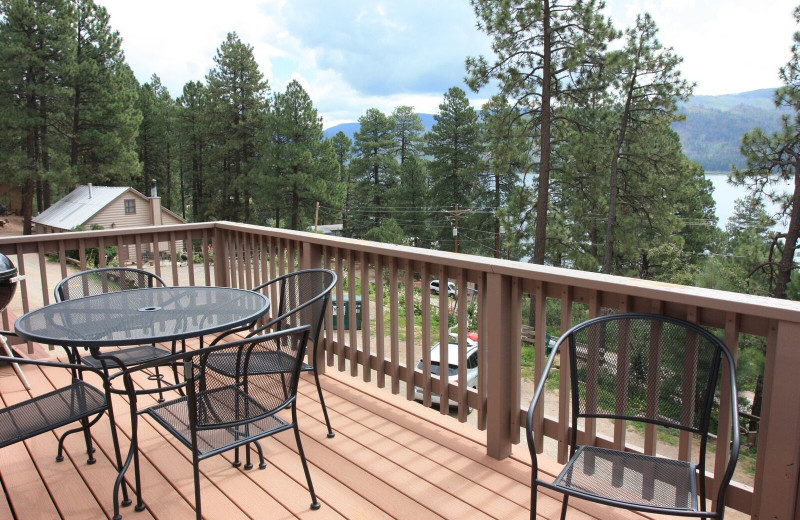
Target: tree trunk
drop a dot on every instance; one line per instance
(295, 210)
(543, 194)
(787, 257)
(613, 189)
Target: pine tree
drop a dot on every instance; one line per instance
(646, 88)
(373, 171)
(342, 148)
(454, 143)
(104, 119)
(299, 167)
(408, 131)
(156, 141)
(35, 39)
(237, 92)
(193, 124)
(775, 159)
(508, 163)
(544, 49)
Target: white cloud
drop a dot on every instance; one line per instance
(358, 54)
(728, 46)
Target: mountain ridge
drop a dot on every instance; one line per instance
(711, 133)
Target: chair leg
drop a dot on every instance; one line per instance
(159, 377)
(236, 461)
(314, 504)
(261, 462)
(133, 455)
(196, 468)
(247, 463)
(534, 491)
(322, 402)
(564, 507)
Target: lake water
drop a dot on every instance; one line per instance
(725, 196)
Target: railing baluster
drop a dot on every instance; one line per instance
(156, 253)
(592, 376)
(564, 376)
(189, 246)
(540, 346)
(622, 367)
(394, 313)
(351, 298)
(426, 335)
(379, 314)
(516, 355)
(463, 328)
(328, 344)
(174, 257)
(340, 310)
(366, 343)
(43, 273)
(444, 341)
(722, 454)
(688, 389)
(654, 362)
(409, 298)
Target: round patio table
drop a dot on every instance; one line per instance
(136, 316)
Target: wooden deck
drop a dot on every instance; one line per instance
(390, 459)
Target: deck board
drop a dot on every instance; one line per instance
(390, 458)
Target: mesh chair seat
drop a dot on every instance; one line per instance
(129, 356)
(636, 479)
(49, 411)
(260, 363)
(221, 407)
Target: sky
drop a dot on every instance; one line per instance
(351, 55)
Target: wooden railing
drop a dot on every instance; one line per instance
(398, 326)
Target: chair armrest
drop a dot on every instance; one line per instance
(734, 454)
(535, 401)
(45, 363)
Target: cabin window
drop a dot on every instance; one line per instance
(130, 206)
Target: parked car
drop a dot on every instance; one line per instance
(451, 288)
(452, 369)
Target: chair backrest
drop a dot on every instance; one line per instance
(225, 392)
(303, 297)
(105, 280)
(671, 370)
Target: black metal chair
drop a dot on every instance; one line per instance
(115, 279)
(76, 402)
(226, 409)
(650, 369)
(303, 298)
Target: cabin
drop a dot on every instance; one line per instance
(106, 207)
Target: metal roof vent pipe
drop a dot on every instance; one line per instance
(153, 188)
(90, 190)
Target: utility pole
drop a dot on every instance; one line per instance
(456, 214)
(316, 218)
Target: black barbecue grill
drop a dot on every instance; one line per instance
(8, 286)
(8, 281)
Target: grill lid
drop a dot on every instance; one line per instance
(7, 268)
(7, 287)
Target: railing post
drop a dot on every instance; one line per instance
(778, 463)
(499, 366)
(221, 259)
(311, 256)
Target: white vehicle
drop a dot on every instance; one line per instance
(452, 359)
(451, 288)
